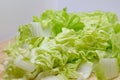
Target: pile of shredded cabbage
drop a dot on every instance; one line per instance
(65, 46)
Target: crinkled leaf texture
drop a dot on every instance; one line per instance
(57, 43)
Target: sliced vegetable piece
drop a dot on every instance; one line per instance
(86, 69)
(24, 65)
(110, 67)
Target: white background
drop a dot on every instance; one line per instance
(16, 12)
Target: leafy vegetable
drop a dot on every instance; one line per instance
(99, 71)
(56, 45)
(85, 69)
(109, 64)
